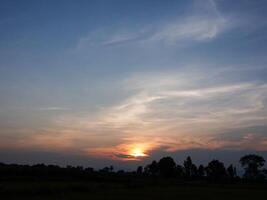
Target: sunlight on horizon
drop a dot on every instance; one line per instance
(138, 153)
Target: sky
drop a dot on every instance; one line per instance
(124, 82)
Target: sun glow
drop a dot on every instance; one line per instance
(125, 152)
(138, 152)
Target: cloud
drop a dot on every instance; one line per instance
(163, 102)
(202, 23)
(170, 111)
(52, 108)
(174, 110)
(191, 29)
(100, 38)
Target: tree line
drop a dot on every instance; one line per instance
(166, 167)
(215, 170)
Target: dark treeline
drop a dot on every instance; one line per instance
(165, 168)
(214, 171)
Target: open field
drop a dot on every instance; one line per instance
(111, 190)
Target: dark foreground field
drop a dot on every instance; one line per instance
(161, 180)
(109, 190)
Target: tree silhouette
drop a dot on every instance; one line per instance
(201, 171)
(231, 172)
(264, 173)
(179, 171)
(187, 166)
(107, 169)
(166, 166)
(152, 169)
(139, 170)
(252, 164)
(190, 168)
(216, 170)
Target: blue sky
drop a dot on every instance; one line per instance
(106, 79)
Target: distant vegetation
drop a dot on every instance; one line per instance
(166, 167)
(162, 179)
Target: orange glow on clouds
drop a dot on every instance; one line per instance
(125, 152)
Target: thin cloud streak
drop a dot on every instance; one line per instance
(203, 24)
(53, 108)
(191, 29)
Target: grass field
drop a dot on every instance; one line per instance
(107, 190)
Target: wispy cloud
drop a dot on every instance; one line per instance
(166, 111)
(190, 29)
(53, 108)
(203, 23)
(101, 38)
(213, 104)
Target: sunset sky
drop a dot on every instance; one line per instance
(123, 82)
